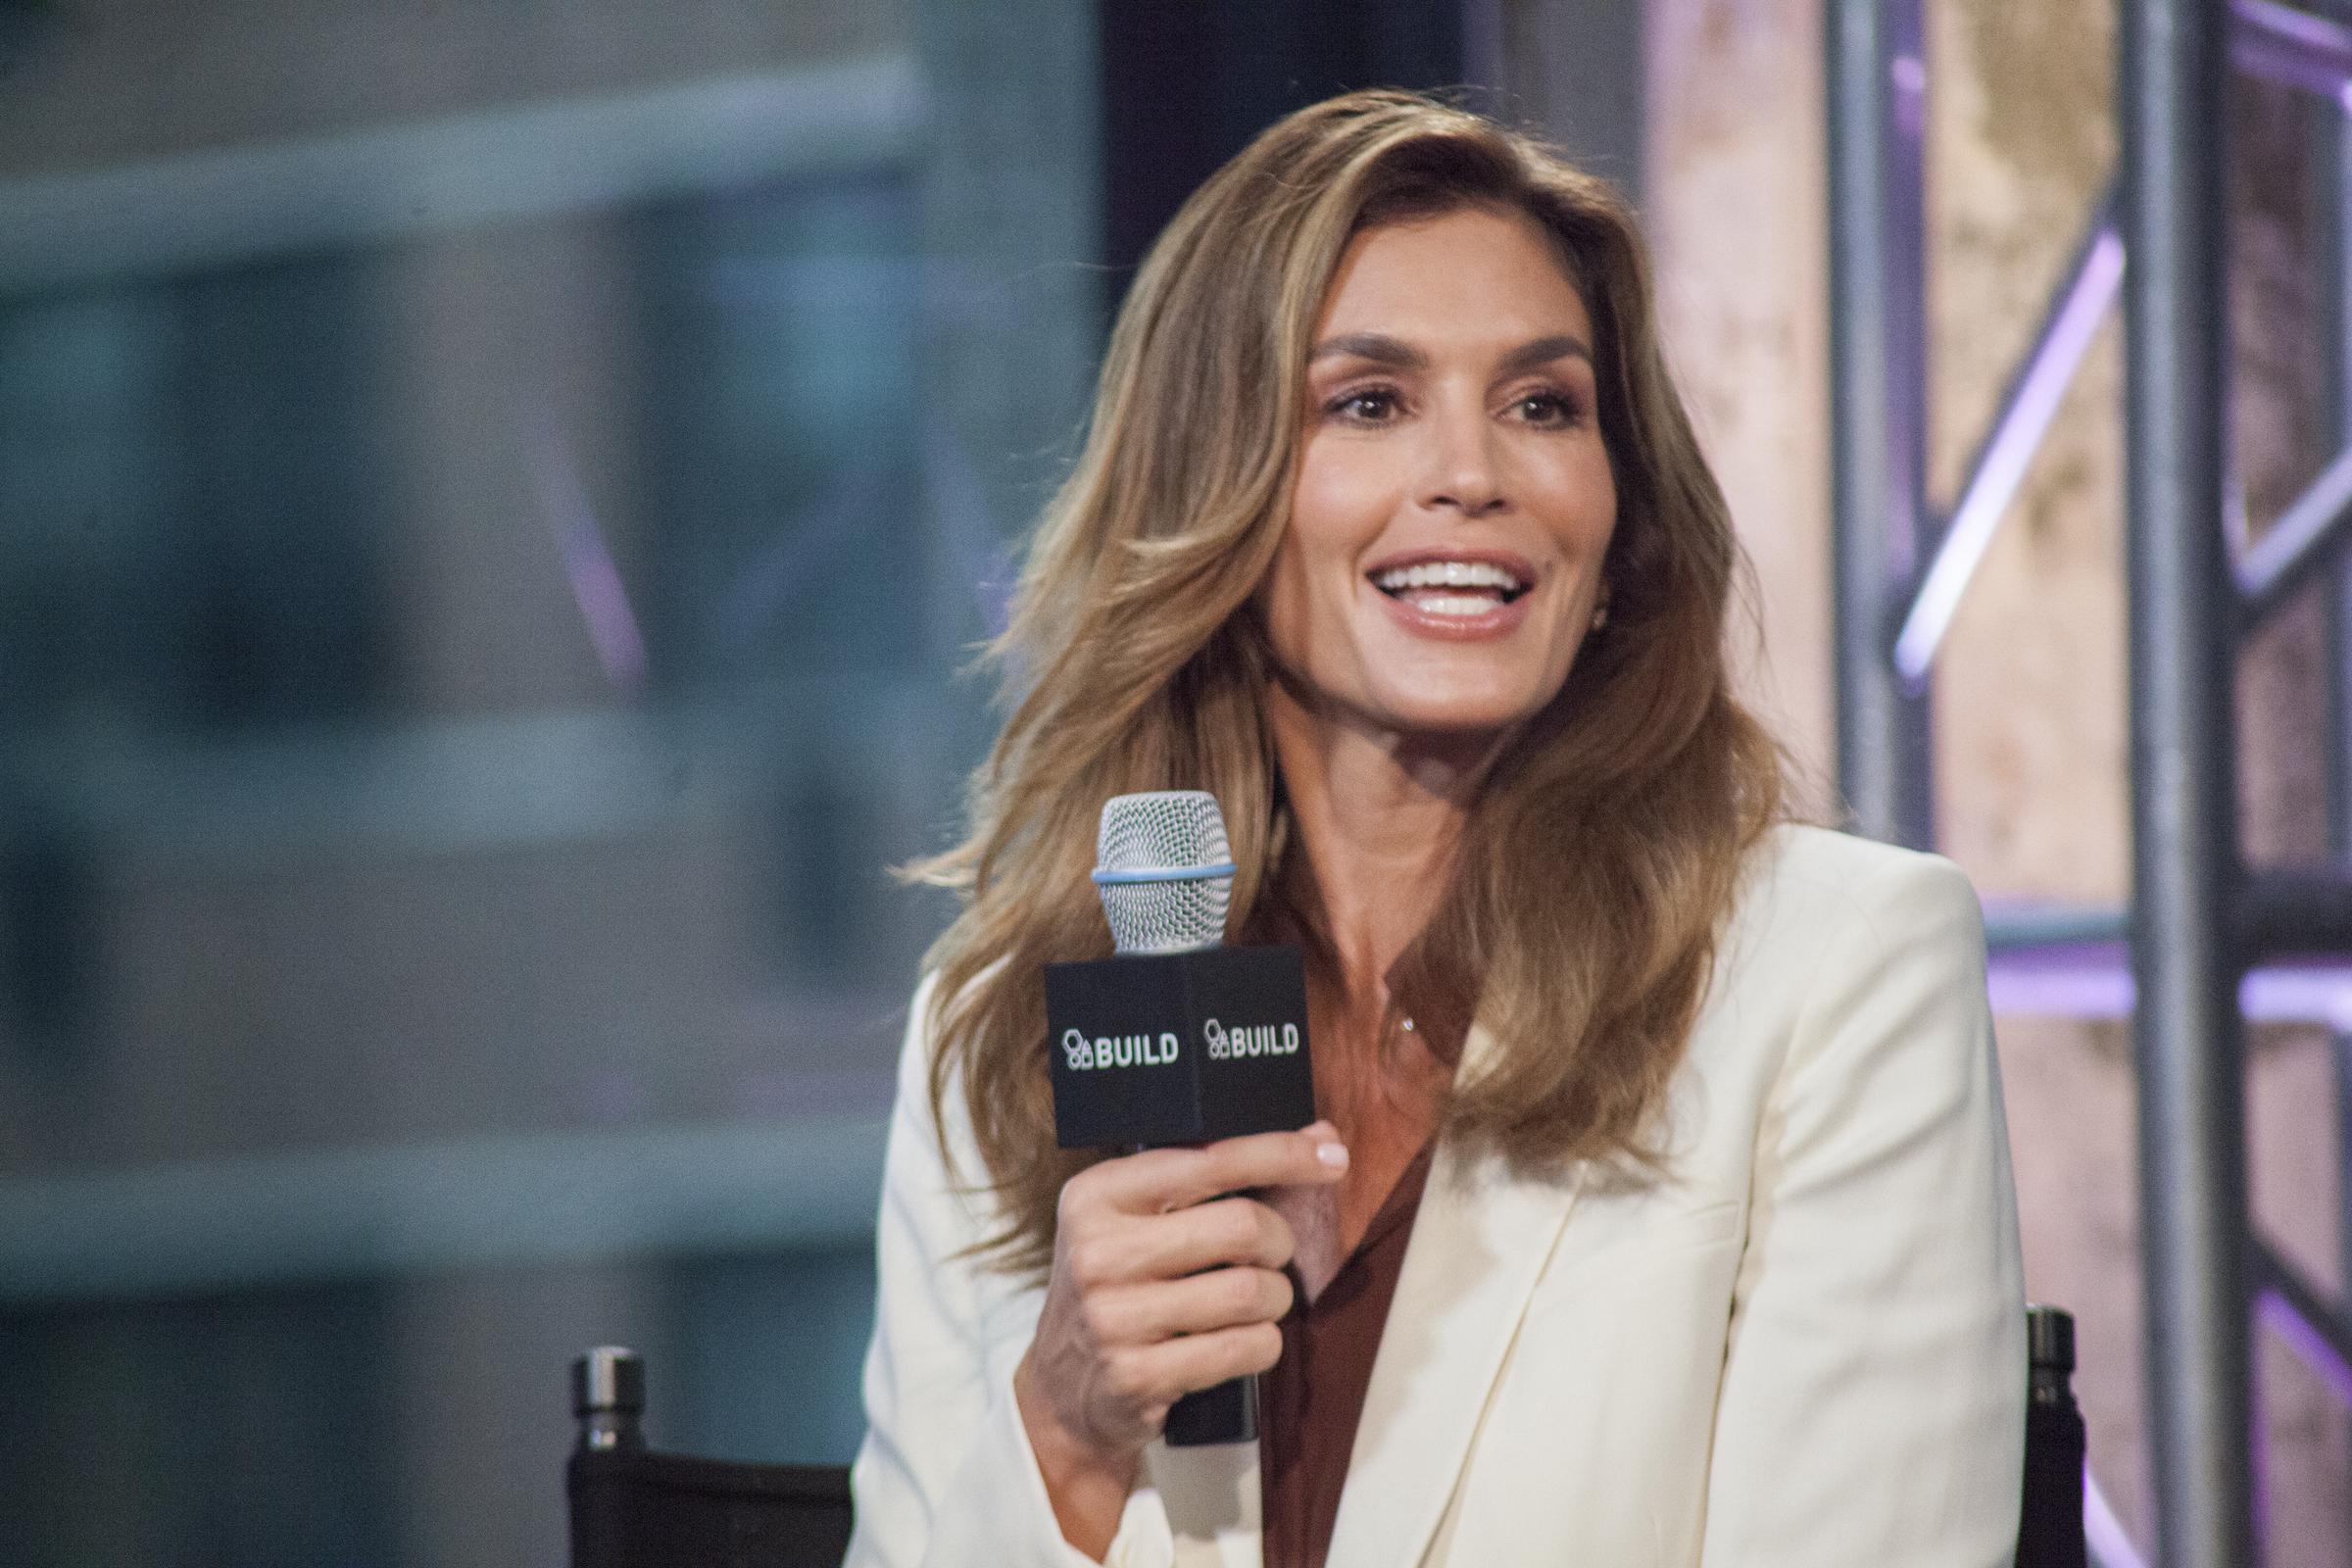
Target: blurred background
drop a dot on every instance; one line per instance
(493, 503)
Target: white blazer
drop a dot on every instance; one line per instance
(1805, 1349)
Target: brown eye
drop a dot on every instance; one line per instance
(1547, 408)
(1370, 406)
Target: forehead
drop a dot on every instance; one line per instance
(1470, 275)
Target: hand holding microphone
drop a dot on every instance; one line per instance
(1164, 1293)
(1160, 1287)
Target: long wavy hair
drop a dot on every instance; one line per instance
(1606, 844)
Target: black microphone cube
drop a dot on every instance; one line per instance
(1178, 1048)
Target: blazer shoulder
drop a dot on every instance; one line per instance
(1802, 880)
(1814, 904)
(1840, 955)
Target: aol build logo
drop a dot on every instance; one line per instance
(1117, 1051)
(1250, 1040)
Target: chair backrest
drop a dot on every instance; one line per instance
(2049, 1525)
(635, 1508)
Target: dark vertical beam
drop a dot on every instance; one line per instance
(2172, 82)
(1878, 401)
(2331, 255)
(1487, 38)
(2331, 260)
(1162, 83)
(1575, 67)
(1187, 83)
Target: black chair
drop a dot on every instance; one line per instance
(633, 1507)
(2049, 1524)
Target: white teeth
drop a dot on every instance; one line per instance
(1446, 575)
(1453, 604)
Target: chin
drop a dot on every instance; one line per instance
(1462, 715)
(1461, 694)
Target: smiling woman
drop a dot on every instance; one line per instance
(1660, 1210)
(1453, 501)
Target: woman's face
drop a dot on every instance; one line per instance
(1453, 500)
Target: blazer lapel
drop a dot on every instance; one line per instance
(1480, 1243)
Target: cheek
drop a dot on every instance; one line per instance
(1582, 491)
(1343, 497)
(1282, 598)
(1332, 522)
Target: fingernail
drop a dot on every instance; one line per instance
(1333, 1155)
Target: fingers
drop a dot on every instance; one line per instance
(1155, 1376)
(1162, 1179)
(1161, 1286)
(1230, 1231)
(1221, 1298)
(1125, 1250)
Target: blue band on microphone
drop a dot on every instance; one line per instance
(1180, 873)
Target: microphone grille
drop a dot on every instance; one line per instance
(1164, 871)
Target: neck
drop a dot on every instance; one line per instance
(1379, 816)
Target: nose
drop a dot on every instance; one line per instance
(1462, 473)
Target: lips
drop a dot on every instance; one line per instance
(1463, 587)
(1455, 596)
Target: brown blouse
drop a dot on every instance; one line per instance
(1308, 1404)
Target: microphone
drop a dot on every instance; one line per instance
(1177, 1039)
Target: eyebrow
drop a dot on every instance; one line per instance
(1382, 348)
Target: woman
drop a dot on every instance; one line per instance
(1660, 1211)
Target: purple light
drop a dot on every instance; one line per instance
(2093, 980)
(596, 585)
(2290, 46)
(2292, 25)
(2273, 562)
(2008, 451)
(2022, 988)
(2303, 1337)
(2110, 1547)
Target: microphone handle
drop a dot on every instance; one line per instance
(1226, 1414)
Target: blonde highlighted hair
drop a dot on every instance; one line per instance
(1606, 845)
